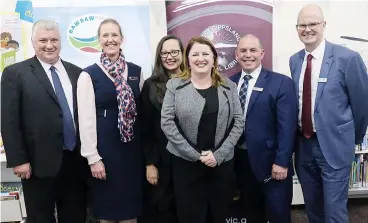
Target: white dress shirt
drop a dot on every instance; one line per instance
(64, 79)
(251, 84)
(316, 69)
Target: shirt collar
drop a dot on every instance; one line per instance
(254, 74)
(319, 51)
(46, 66)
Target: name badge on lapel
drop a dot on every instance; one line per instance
(133, 78)
(322, 80)
(258, 89)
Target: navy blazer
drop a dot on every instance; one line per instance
(271, 123)
(341, 107)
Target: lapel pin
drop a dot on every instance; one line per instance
(322, 80)
(133, 78)
(258, 89)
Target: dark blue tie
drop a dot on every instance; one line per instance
(243, 90)
(68, 124)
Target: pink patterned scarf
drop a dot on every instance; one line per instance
(125, 96)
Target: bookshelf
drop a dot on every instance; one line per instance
(12, 206)
(358, 184)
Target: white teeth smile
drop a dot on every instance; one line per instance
(201, 65)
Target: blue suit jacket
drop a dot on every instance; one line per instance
(341, 105)
(271, 123)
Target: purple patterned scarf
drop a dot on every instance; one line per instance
(125, 97)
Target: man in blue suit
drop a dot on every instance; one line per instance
(263, 157)
(332, 89)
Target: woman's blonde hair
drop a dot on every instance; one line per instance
(215, 74)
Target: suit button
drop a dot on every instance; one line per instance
(60, 115)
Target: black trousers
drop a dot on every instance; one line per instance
(160, 212)
(262, 203)
(202, 193)
(66, 192)
(159, 200)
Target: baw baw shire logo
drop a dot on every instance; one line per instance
(225, 40)
(82, 33)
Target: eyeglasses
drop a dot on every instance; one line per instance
(310, 25)
(173, 53)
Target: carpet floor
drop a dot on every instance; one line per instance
(357, 208)
(358, 213)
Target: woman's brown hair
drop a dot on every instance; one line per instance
(160, 75)
(215, 74)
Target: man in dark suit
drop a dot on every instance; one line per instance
(332, 89)
(263, 157)
(40, 130)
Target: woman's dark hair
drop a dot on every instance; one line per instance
(160, 75)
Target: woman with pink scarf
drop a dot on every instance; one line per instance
(108, 94)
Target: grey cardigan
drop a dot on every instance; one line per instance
(182, 101)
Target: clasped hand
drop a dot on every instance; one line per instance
(279, 172)
(208, 158)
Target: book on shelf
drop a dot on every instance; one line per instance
(7, 187)
(363, 147)
(359, 172)
(7, 196)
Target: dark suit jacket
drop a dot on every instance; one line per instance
(270, 126)
(32, 122)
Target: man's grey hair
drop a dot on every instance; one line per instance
(46, 24)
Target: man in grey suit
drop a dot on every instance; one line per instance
(332, 88)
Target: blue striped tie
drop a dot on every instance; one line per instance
(68, 124)
(243, 91)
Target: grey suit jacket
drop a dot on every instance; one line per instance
(183, 102)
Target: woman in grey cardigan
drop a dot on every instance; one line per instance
(202, 119)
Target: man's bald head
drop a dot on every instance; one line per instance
(311, 11)
(250, 37)
(311, 26)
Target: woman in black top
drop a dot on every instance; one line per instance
(202, 119)
(159, 196)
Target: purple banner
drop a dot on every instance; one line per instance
(224, 23)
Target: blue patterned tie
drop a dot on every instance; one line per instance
(243, 90)
(68, 124)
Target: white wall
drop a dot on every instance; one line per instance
(158, 24)
(7, 5)
(342, 17)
